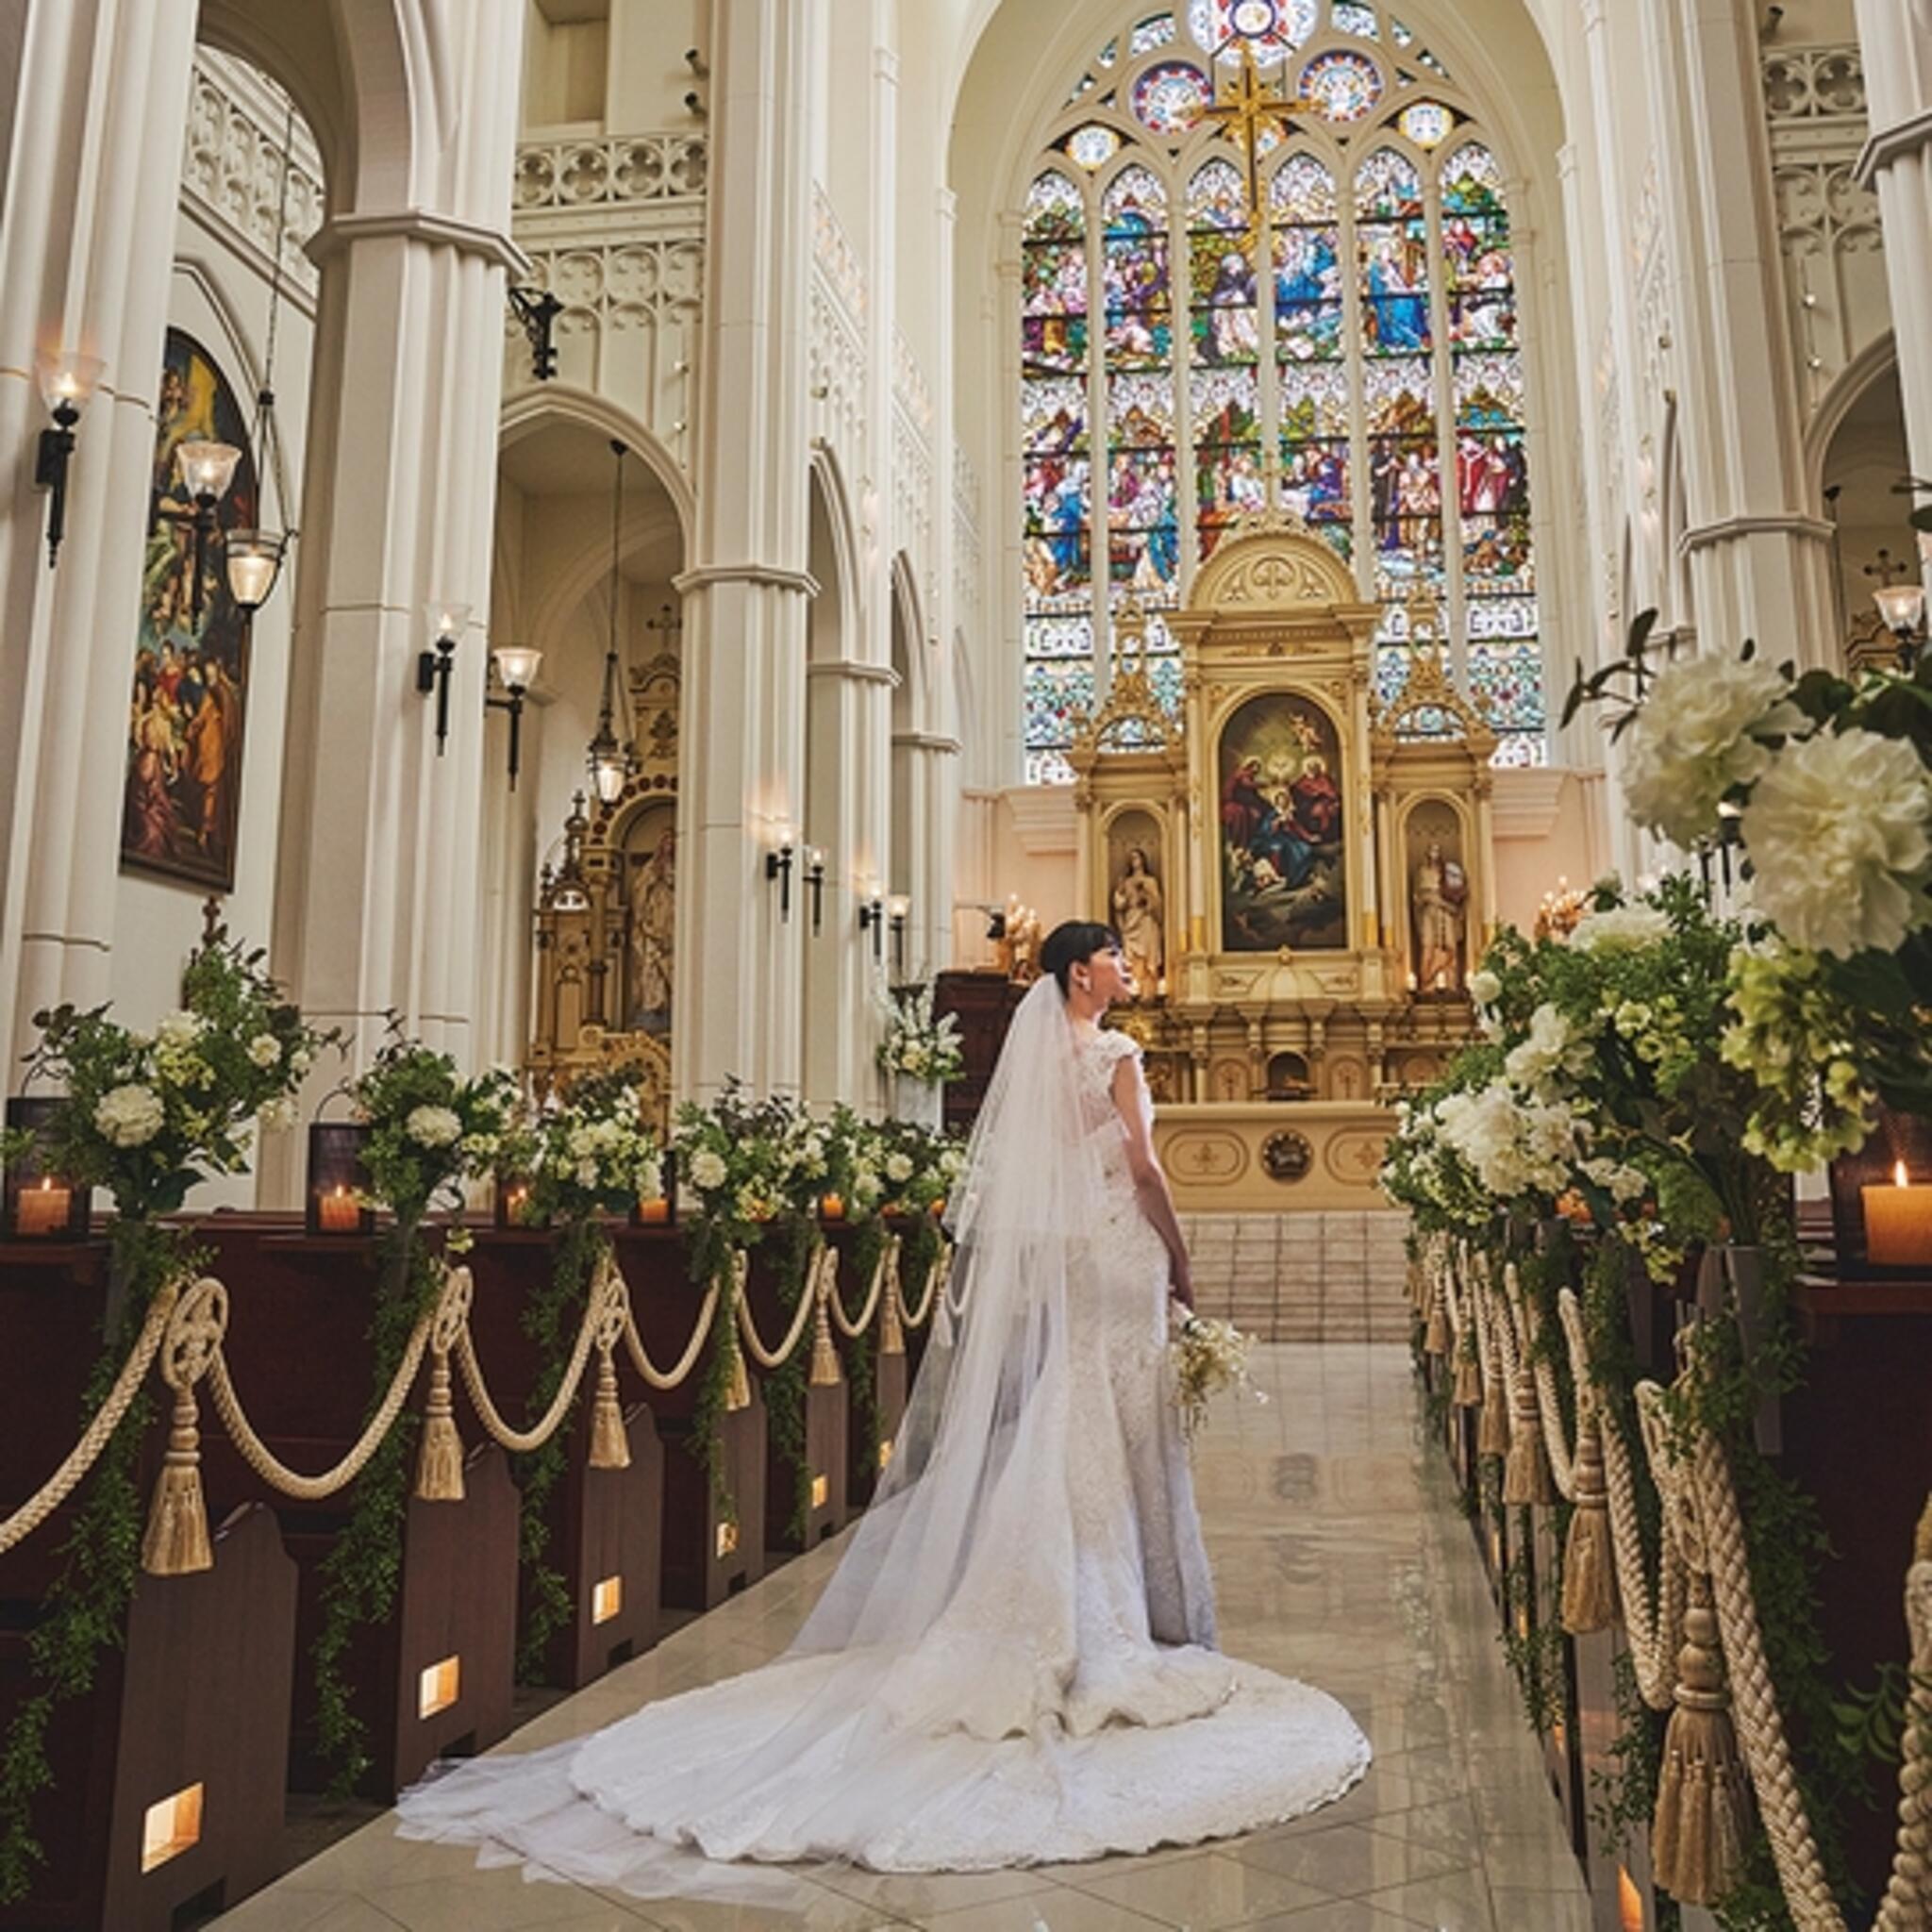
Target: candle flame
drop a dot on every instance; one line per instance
(1898, 1173)
(46, 1184)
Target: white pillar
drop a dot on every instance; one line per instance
(1759, 559)
(738, 968)
(379, 897)
(1896, 38)
(87, 233)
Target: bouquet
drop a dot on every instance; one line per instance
(583, 1153)
(430, 1127)
(1208, 1355)
(915, 1043)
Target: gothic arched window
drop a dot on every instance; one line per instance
(1370, 378)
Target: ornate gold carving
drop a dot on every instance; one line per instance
(1354, 1155)
(1212, 1156)
(1430, 687)
(1131, 699)
(1288, 1155)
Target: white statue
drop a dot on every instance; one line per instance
(1137, 914)
(1438, 901)
(653, 918)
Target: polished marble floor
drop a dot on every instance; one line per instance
(1339, 1557)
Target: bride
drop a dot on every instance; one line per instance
(1015, 1661)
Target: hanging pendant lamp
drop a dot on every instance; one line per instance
(613, 762)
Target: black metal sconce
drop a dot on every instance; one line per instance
(814, 875)
(778, 866)
(66, 383)
(897, 908)
(515, 667)
(434, 667)
(872, 919)
(536, 310)
(207, 470)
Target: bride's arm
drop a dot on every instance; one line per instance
(1150, 1182)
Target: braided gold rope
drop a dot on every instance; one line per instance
(938, 1275)
(94, 1438)
(852, 1329)
(641, 1360)
(748, 1327)
(605, 1287)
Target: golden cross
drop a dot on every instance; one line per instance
(1247, 106)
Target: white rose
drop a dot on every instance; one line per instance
(1622, 929)
(1485, 989)
(433, 1127)
(1837, 833)
(581, 1143)
(707, 1168)
(1696, 737)
(264, 1050)
(130, 1116)
(865, 1186)
(587, 1174)
(179, 1029)
(898, 1168)
(1548, 1049)
(277, 1115)
(301, 1060)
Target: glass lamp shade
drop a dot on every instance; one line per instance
(607, 773)
(338, 1180)
(447, 617)
(898, 907)
(38, 1204)
(207, 468)
(68, 376)
(517, 665)
(1902, 607)
(255, 561)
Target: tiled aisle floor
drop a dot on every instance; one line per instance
(1339, 1557)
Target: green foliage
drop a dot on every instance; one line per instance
(1532, 1632)
(1625, 1800)
(430, 1127)
(786, 1388)
(583, 1153)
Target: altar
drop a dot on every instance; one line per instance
(1301, 871)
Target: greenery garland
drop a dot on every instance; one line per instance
(550, 1319)
(786, 1388)
(869, 1244)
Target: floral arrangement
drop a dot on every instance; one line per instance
(581, 1153)
(1207, 1357)
(915, 1043)
(430, 1128)
(1824, 783)
(150, 1113)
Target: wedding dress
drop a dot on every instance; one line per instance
(1015, 1661)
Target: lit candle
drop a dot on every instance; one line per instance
(339, 1212)
(654, 1213)
(517, 1207)
(1412, 982)
(43, 1210)
(1898, 1222)
(832, 1206)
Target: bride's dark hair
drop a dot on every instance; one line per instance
(1072, 943)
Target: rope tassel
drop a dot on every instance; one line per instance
(891, 1331)
(609, 1443)
(824, 1357)
(1436, 1336)
(439, 1462)
(1469, 1374)
(1590, 1596)
(1526, 1470)
(1703, 1811)
(178, 1542)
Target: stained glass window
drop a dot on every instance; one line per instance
(1353, 354)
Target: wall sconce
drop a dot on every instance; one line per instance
(778, 866)
(815, 884)
(536, 310)
(515, 666)
(1901, 601)
(67, 382)
(433, 668)
(897, 908)
(40, 1205)
(207, 470)
(872, 919)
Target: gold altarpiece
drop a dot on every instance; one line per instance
(1302, 874)
(606, 910)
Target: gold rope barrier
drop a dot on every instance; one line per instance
(523, 1442)
(94, 1438)
(852, 1329)
(641, 1360)
(748, 1327)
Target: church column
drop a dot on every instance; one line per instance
(1759, 561)
(932, 783)
(378, 900)
(1895, 39)
(737, 966)
(931, 941)
(86, 246)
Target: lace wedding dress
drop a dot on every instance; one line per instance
(1015, 1662)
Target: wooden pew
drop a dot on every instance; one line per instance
(196, 1696)
(298, 1301)
(606, 1525)
(709, 1552)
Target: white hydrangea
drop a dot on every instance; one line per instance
(433, 1127)
(277, 1115)
(1837, 836)
(1622, 929)
(264, 1050)
(707, 1168)
(898, 1168)
(1697, 735)
(1485, 989)
(1547, 1051)
(1512, 1146)
(179, 1029)
(130, 1116)
(866, 1186)
(1621, 1183)
(953, 1163)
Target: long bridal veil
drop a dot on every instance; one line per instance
(977, 1685)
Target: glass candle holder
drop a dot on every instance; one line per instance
(39, 1204)
(338, 1179)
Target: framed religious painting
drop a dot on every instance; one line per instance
(1284, 881)
(182, 789)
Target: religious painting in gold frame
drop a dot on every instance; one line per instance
(1282, 827)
